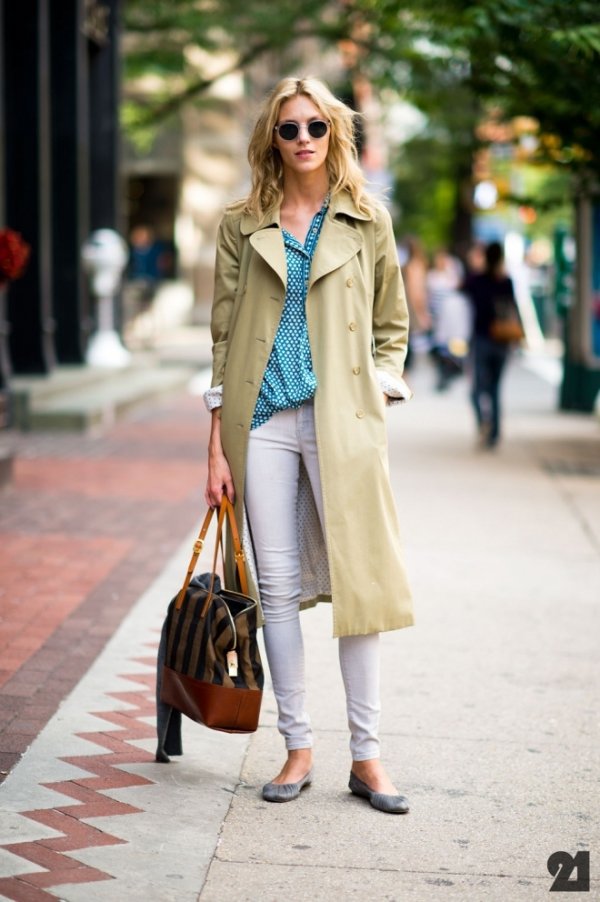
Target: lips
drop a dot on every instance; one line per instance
(304, 154)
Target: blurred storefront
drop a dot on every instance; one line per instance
(176, 185)
(559, 245)
(60, 171)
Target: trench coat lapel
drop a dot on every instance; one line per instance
(268, 243)
(337, 244)
(267, 240)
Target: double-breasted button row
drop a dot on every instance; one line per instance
(356, 370)
(350, 282)
(352, 326)
(360, 413)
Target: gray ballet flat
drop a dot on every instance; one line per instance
(285, 792)
(390, 804)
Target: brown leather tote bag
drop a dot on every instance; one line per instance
(213, 671)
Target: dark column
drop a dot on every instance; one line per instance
(4, 356)
(27, 161)
(2, 129)
(104, 95)
(581, 376)
(104, 80)
(70, 177)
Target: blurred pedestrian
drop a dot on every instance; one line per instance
(492, 295)
(310, 326)
(148, 262)
(414, 272)
(475, 258)
(450, 316)
(151, 261)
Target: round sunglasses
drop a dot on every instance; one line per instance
(289, 131)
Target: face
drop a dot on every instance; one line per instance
(303, 154)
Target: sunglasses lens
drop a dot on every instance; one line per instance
(317, 129)
(288, 131)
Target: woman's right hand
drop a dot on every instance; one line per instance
(219, 480)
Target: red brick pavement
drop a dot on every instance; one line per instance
(134, 479)
(44, 580)
(85, 527)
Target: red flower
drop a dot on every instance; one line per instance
(14, 254)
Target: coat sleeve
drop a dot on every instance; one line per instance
(227, 267)
(390, 312)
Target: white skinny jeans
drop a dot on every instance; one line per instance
(273, 463)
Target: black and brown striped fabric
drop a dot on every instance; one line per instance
(198, 646)
(195, 676)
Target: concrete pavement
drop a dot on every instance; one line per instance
(489, 724)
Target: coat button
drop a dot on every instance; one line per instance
(353, 327)
(349, 282)
(356, 370)
(360, 414)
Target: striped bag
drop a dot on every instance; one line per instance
(213, 672)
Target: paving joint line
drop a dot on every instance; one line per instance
(578, 515)
(219, 836)
(451, 738)
(354, 867)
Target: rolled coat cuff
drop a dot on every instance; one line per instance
(213, 397)
(396, 389)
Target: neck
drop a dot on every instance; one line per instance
(305, 191)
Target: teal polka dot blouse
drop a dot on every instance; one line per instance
(289, 379)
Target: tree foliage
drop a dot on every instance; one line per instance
(528, 57)
(161, 33)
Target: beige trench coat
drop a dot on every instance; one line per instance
(357, 324)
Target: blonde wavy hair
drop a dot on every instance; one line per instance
(342, 158)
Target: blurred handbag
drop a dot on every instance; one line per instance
(506, 326)
(212, 668)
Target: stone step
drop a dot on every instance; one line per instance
(6, 466)
(61, 379)
(83, 400)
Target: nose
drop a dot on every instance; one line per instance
(303, 134)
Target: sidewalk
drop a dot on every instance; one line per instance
(489, 704)
(85, 528)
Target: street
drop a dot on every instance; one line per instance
(489, 721)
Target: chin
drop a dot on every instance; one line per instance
(308, 165)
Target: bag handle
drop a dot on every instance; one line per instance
(238, 551)
(218, 544)
(226, 509)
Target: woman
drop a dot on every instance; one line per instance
(492, 295)
(414, 271)
(451, 319)
(309, 325)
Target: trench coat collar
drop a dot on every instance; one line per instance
(338, 241)
(341, 204)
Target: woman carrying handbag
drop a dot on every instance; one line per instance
(496, 328)
(310, 327)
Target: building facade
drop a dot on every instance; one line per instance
(59, 170)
